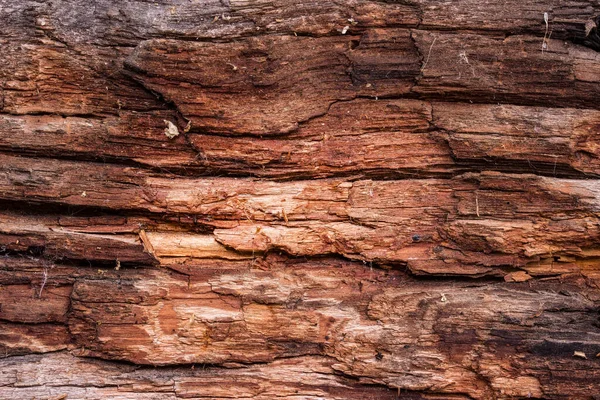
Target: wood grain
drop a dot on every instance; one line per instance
(355, 199)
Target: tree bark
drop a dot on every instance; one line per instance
(355, 199)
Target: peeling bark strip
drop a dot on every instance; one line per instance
(270, 84)
(380, 326)
(275, 199)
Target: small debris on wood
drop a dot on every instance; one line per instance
(146, 242)
(187, 127)
(589, 25)
(544, 42)
(580, 354)
(285, 218)
(44, 280)
(428, 54)
(171, 130)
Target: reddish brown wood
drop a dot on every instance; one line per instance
(354, 199)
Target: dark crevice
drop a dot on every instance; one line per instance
(401, 393)
(574, 32)
(182, 121)
(384, 268)
(185, 170)
(590, 37)
(4, 355)
(56, 209)
(441, 171)
(53, 257)
(32, 207)
(514, 166)
(59, 114)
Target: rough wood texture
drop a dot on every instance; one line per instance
(353, 199)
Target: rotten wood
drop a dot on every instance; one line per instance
(335, 200)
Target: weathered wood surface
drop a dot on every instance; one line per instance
(302, 200)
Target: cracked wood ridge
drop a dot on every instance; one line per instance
(348, 199)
